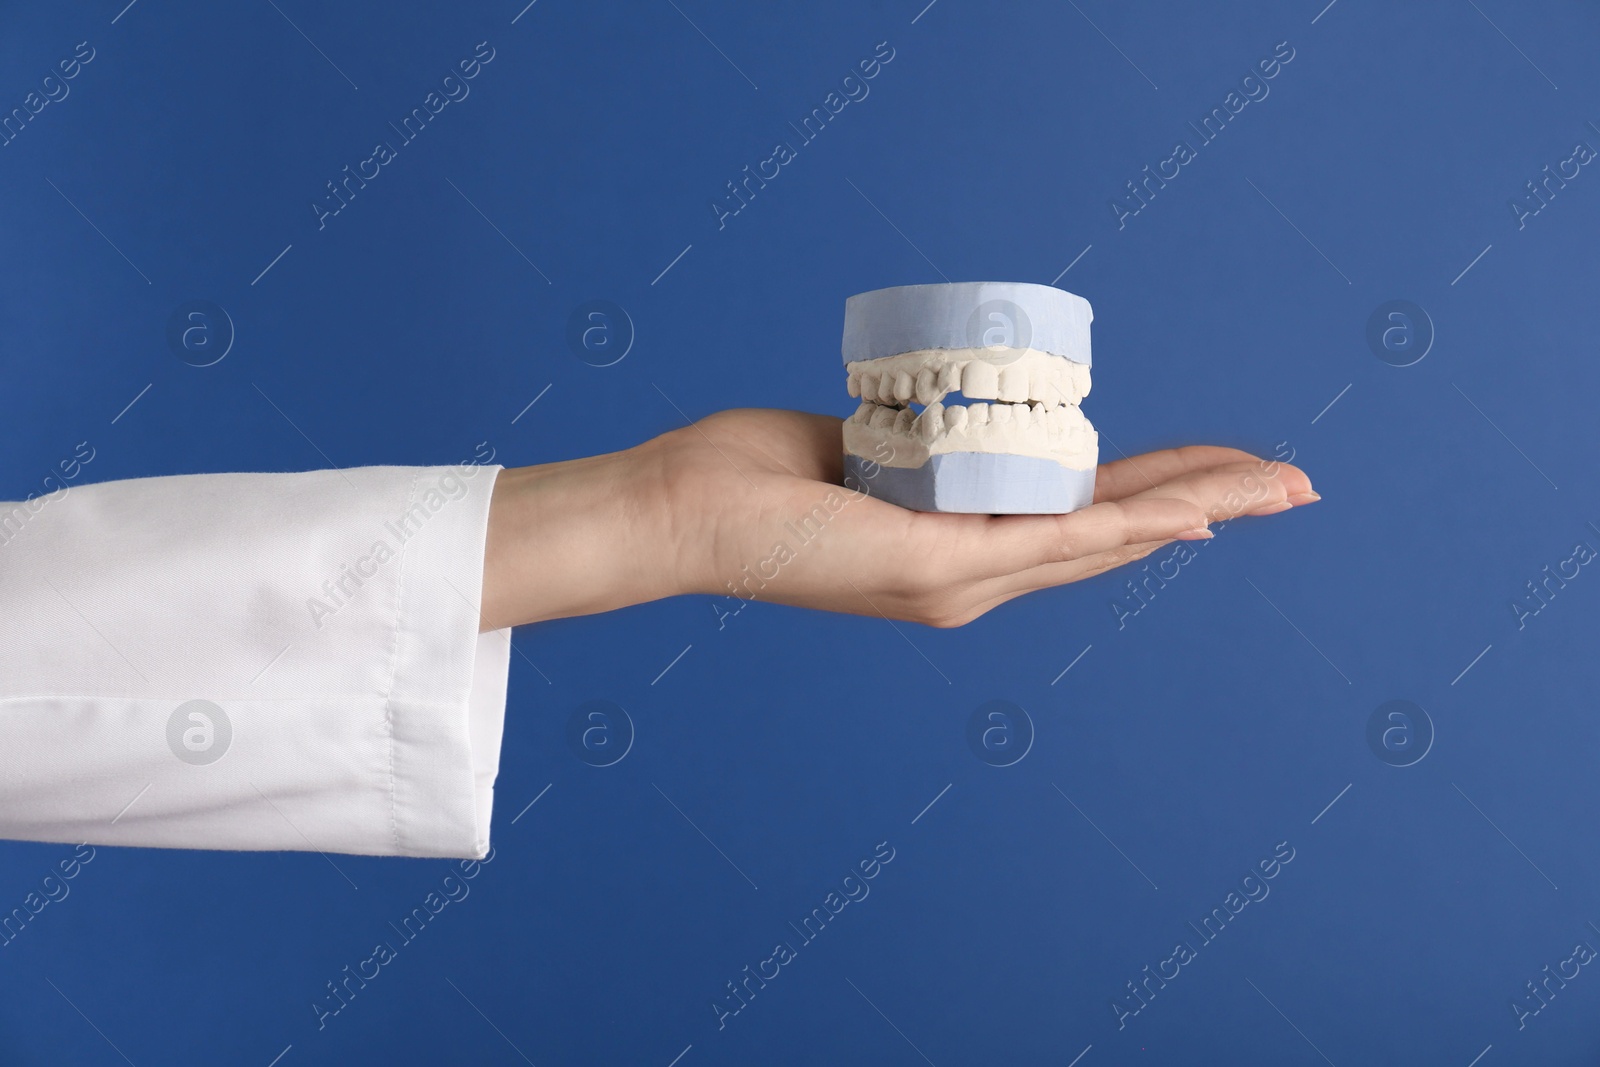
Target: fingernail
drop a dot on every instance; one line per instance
(1307, 497)
(1199, 533)
(1274, 509)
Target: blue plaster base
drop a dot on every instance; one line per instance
(983, 483)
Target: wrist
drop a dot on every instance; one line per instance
(578, 537)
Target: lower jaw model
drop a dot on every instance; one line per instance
(1023, 346)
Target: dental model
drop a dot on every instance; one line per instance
(1021, 345)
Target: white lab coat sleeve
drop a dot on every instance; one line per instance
(252, 661)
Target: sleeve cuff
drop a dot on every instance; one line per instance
(446, 703)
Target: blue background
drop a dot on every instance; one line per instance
(1187, 741)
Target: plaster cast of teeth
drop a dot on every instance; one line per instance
(976, 373)
(1023, 346)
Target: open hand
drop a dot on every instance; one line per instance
(748, 503)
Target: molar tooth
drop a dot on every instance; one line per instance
(864, 412)
(1014, 383)
(931, 422)
(866, 385)
(955, 418)
(903, 387)
(977, 414)
(903, 419)
(927, 385)
(886, 388)
(980, 380)
(882, 417)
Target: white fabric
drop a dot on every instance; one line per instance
(371, 725)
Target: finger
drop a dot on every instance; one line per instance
(1134, 474)
(1235, 489)
(1018, 543)
(999, 590)
(1223, 493)
(1168, 511)
(1053, 574)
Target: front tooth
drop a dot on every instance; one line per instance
(927, 385)
(903, 387)
(980, 380)
(950, 378)
(955, 418)
(1080, 380)
(903, 420)
(977, 414)
(867, 385)
(1014, 383)
(931, 421)
(882, 417)
(853, 386)
(1021, 416)
(864, 412)
(1000, 414)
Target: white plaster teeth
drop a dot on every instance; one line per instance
(1040, 385)
(1021, 402)
(903, 386)
(950, 378)
(980, 380)
(1023, 375)
(1014, 383)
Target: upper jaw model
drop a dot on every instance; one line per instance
(1022, 346)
